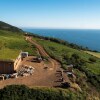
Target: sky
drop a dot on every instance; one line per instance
(68, 14)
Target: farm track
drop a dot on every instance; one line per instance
(44, 53)
(55, 65)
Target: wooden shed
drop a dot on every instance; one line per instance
(6, 66)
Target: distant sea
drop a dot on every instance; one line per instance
(86, 38)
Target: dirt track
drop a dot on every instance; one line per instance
(44, 53)
(54, 65)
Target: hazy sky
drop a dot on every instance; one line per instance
(51, 13)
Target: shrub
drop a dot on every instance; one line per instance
(92, 59)
(21, 92)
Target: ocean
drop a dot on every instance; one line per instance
(83, 37)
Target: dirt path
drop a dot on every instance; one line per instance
(55, 65)
(44, 53)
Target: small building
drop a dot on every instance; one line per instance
(24, 55)
(10, 66)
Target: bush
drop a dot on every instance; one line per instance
(92, 59)
(21, 92)
(76, 56)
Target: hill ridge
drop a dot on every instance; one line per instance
(8, 27)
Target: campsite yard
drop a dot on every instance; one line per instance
(46, 73)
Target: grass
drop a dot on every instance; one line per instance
(58, 50)
(11, 44)
(94, 68)
(96, 54)
(8, 54)
(91, 69)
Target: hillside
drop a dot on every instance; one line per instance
(63, 53)
(5, 26)
(12, 43)
(86, 67)
(96, 54)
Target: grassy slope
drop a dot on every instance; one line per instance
(11, 45)
(96, 54)
(8, 27)
(59, 50)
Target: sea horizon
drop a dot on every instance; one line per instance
(82, 37)
(58, 28)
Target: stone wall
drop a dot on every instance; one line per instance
(17, 62)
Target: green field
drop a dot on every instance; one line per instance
(58, 51)
(11, 44)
